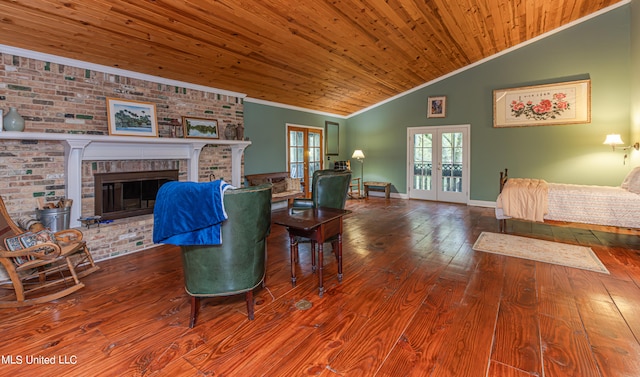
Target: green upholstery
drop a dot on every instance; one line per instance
(238, 264)
(329, 188)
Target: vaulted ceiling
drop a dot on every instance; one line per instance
(335, 56)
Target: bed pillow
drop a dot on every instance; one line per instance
(632, 181)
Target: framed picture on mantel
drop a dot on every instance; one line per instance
(131, 118)
(200, 128)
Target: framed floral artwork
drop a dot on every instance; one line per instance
(543, 105)
(437, 107)
(131, 118)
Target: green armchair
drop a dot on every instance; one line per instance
(238, 264)
(328, 189)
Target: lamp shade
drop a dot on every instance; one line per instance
(613, 139)
(358, 154)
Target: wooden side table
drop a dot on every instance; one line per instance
(378, 186)
(317, 224)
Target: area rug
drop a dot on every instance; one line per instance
(539, 250)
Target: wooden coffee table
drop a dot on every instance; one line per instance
(319, 225)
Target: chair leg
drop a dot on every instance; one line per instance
(72, 270)
(195, 308)
(83, 262)
(250, 304)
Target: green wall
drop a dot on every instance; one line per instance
(598, 49)
(266, 128)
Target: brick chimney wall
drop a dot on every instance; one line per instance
(64, 99)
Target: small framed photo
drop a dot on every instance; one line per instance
(200, 127)
(437, 107)
(131, 118)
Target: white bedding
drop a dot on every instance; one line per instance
(601, 205)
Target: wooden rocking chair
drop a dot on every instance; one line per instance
(46, 263)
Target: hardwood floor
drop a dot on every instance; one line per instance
(416, 300)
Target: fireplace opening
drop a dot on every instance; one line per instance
(127, 194)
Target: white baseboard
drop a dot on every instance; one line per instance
(482, 203)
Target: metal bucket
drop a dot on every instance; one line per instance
(56, 219)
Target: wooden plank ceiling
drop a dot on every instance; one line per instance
(335, 56)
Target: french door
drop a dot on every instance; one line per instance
(438, 163)
(304, 153)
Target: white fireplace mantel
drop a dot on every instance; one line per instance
(83, 147)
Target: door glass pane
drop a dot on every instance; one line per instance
(296, 154)
(452, 161)
(422, 161)
(314, 153)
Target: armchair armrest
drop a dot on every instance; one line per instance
(300, 204)
(69, 235)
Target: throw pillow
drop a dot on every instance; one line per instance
(13, 244)
(279, 187)
(293, 184)
(28, 239)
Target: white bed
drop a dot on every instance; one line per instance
(600, 205)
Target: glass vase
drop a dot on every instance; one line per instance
(13, 121)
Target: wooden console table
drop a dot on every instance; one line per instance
(378, 186)
(317, 224)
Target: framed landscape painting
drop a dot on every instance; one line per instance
(543, 105)
(200, 128)
(131, 118)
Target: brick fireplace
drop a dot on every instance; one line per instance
(68, 161)
(66, 139)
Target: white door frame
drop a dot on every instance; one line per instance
(438, 130)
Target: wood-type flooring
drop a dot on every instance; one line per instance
(416, 300)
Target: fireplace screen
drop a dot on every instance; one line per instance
(127, 194)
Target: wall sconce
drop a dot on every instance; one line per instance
(615, 140)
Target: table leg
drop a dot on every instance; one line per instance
(313, 256)
(339, 257)
(294, 251)
(320, 268)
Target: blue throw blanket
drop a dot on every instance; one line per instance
(189, 213)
